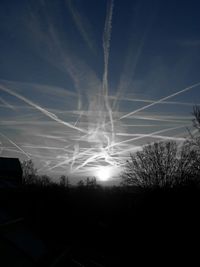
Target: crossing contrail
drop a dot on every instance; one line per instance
(18, 147)
(82, 129)
(160, 101)
(44, 111)
(148, 135)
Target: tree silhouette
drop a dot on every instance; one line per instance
(44, 180)
(195, 138)
(188, 169)
(162, 164)
(91, 182)
(81, 184)
(64, 181)
(196, 120)
(29, 172)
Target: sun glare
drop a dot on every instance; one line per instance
(103, 173)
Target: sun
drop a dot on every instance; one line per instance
(104, 173)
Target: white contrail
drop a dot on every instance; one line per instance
(148, 135)
(106, 44)
(11, 150)
(159, 101)
(154, 136)
(161, 118)
(44, 111)
(79, 117)
(75, 153)
(91, 159)
(44, 147)
(59, 138)
(6, 103)
(150, 101)
(106, 48)
(69, 160)
(13, 143)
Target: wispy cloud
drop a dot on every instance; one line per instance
(82, 25)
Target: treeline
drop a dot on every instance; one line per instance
(159, 164)
(31, 177)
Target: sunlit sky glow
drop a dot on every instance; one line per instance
(84, 83)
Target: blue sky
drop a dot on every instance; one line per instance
(83, 83)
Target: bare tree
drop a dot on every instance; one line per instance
(29, 172)
(44, 180)
(161, 164)
(91, 182)
(81, 184)
(195, 138)
(64, 181)
(188, 162)
(196, 120)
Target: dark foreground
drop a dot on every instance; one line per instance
(55, 226)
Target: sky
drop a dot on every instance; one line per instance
(84, 83)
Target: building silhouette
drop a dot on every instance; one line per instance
(10, 172)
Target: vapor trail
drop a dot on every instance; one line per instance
(70, 160)
(161, 118)
(59, 138)
(148, 135)
(44, 111)
(13, 143)
(154, 136)
(92, 158)
(106, 48)
(151, 101)
(160, 101)
(106, 44)
(45, 147)
(6, 103)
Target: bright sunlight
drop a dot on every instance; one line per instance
(104, 173)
